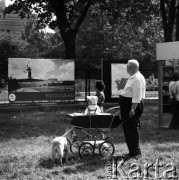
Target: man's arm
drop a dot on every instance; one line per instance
(136, 97)
(132, 111)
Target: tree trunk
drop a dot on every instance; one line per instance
(67, 32)
(168, 22)
(167, 35)
(70, 48)
(177, 25)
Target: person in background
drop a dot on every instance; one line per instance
(151, 79)
(131, 105)
(174, 100)
(100, 86)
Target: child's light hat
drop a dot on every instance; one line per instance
(93, 99)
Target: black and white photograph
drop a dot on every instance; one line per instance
(89, 90)
(119, 78)
(49, 79)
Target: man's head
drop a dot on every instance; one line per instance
(132, 67)
(175, 76)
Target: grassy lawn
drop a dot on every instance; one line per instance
(25, 151)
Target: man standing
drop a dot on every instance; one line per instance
(131, 104)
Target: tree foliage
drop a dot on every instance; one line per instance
(30, 43)
(113, 31)
(67, 15)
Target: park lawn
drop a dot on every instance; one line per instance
(25, 151)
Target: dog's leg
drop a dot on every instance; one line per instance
(60, 154)
(66, 155)
(53, 153)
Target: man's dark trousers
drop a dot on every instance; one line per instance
(131, 125)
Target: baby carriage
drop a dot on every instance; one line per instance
(89, 125)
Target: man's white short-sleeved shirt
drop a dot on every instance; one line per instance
(135, 88)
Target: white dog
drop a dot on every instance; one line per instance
(60, 146)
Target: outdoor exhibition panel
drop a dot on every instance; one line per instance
(168, 63)
(40, 80)
(115, 76)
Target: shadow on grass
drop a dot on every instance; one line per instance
(74, 165)
(86, 165)
(46, 162)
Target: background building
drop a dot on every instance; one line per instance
(10, 22)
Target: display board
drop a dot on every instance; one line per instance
(168, 63)
(167, 50)
(115, 77)
(41, 80)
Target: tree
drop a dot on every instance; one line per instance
(170, 15)
(54, 46)
(30, 43)
(119, 31)
(13, 45)
(177, 22)
(69, 15)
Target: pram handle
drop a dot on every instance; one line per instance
(116, 113)
(116, 107)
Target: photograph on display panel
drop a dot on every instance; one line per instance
(119, 77)
(41, 80)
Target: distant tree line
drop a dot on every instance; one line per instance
(90, 31)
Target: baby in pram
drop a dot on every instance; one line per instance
(92, 108)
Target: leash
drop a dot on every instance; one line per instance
(123, 122)
(69, 142)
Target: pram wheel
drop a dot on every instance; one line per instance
(74, 147)
(106, 149)
(86, 150)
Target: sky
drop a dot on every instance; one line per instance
(47, 29)
(8, 2)
(41, 68)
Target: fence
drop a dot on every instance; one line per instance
(85, 82)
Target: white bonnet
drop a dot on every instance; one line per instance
(93, 99)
